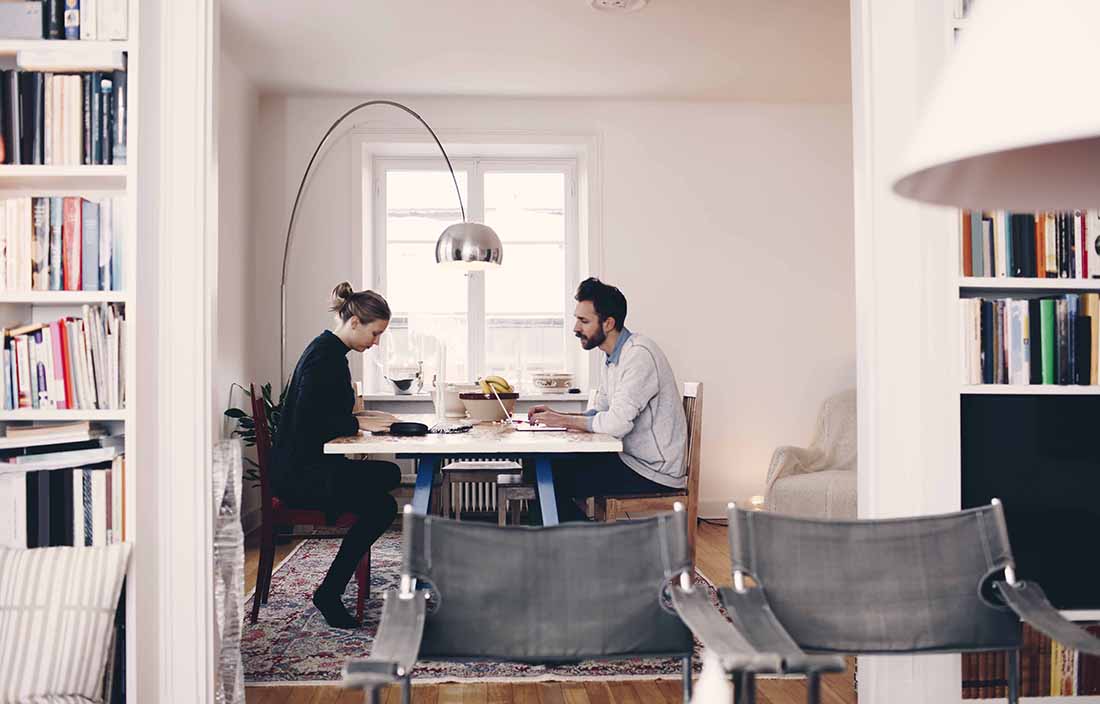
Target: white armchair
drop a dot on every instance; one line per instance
(819, 481)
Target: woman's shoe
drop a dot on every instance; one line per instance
(332, 608)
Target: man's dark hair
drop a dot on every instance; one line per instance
(608, 301)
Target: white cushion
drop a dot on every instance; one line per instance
(827, 494)
(57, 612)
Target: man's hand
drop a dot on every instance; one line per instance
(557, 420)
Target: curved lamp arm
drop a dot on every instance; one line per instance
(298, 198)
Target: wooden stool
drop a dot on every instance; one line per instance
(511, 487)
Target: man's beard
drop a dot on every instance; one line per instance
(590, 343)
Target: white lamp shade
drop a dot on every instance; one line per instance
(469, 245)
(1014, 121)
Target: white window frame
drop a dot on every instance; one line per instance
(476, 167)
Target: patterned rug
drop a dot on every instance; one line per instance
(292, 643)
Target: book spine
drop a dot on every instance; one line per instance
(53, 19)
(88, 20)
(976, 256)
(88, 113)
(61, 396)
(72, 243)
(106, 234)
(106, 119)
(72, 19)
(118, 117)
(7, 377)
(1049, 345)
(967, 245)
(40, 270)
(56, 220)
(90, 245)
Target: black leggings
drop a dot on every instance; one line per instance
(349, 486)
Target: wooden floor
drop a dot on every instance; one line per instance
(712, 559)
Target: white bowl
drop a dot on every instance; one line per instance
(552, 382)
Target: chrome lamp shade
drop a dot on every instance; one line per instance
(469, 245)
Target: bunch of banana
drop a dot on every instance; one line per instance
(495, 383)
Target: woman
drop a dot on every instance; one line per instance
(318, 407)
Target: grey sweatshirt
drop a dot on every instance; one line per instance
(639, 401)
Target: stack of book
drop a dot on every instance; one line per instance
(71, 363)
(1044, 245)
(63, 117)
(54, 243)
(1047, 668)
(61, 484)
(1040, 340)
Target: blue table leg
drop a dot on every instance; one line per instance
(547, 501)
(425, 473)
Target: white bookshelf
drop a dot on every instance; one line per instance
(1029, 390)
(9, 47)
(973, 283)
(94, 182)
(969, 286)
(61, 298)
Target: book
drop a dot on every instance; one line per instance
(88, 17)
(113, 21)
(20, 20)
(1047, 316)
(55, 283)
(53, 19)
(72, 19)
(118, 118)
(72, 243)
(13, 510)
(89, 257)
(60, 460)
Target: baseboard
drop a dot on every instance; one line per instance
(714, 510)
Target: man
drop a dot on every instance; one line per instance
(637, 400)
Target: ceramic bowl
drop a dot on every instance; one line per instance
(484, 407)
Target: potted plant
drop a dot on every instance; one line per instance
(244, 426)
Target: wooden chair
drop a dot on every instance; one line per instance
(611, 508)
(275, 514)
(511, 487)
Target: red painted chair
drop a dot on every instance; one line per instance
(276, 514)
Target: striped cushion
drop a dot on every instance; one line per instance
(57, 608)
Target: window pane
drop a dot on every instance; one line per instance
(525, 298)
(531, 280)
(525, 207)
(428, 302)
(421, 204)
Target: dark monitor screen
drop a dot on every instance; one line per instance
(1040, 455)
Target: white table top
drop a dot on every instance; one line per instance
(489, 438)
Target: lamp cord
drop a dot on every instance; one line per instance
(298, 198)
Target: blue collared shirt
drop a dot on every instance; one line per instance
(613, 358)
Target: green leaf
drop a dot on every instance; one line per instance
(235, 413)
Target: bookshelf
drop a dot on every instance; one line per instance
(1005, 287)
(94, 182)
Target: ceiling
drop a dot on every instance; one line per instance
(775, 51)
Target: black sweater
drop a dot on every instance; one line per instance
(318, 407)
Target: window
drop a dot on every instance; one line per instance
(512, 321)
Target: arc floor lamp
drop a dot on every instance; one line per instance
(468, 245)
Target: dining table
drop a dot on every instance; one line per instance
(486, 440)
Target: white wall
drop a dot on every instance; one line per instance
(727, 225)
(234, 348)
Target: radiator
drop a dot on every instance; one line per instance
(477, 496)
